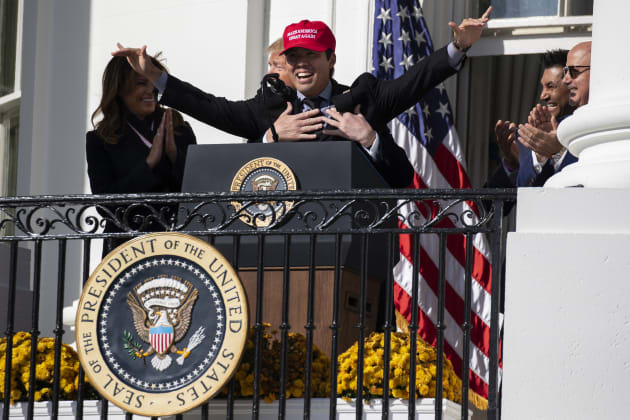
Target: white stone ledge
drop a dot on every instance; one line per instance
(425, 410)
(596, 210)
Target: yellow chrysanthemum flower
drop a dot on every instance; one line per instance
(399, 369)
(269, 385)
(44, 368)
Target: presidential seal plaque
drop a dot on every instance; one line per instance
(263, 174)
(161, 324)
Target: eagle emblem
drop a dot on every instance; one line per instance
(265, 183)
(263, 174)
(162, 308)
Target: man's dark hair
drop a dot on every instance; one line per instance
(555, 58)
(329, 54)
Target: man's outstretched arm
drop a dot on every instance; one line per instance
(393, 97)
(240, 118)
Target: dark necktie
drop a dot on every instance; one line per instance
(547, 172)
(313, 102)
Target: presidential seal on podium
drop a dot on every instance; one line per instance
(161, 324)
(263, 174)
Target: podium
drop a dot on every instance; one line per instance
(340, 165)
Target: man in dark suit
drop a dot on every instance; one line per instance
(533, 154)
(539, 134)
(310, 52)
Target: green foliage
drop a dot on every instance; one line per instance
(130, 345)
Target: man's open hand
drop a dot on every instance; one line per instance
(296, 127)
(350, 125)
(469, 31)
(545, 144)
(540, 117)
(139, 61)
(505, 132)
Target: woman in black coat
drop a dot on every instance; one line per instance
(137, 147)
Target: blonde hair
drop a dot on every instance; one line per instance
(276, 46)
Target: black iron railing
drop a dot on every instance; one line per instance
(295, 228)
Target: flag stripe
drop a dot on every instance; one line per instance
(456, 244)
(160, 341)
(453, 302)
(451, 143)
(428, 333)
(426, 133)
(427, 301)
(479, 240)
(427, 172)
(453, 170)
(450, 168)
(452, 334)
(480, 297)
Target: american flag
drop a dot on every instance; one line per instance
(426, 133)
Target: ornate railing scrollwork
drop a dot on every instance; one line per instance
(84, 216)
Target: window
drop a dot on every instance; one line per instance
(531, 27)
(10, 47)
(9, 132)
(520, 9)
(10, 53)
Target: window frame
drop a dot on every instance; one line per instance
(9, 148)
(563, 10)
(10, 108)
(7, 102)
(532, 35)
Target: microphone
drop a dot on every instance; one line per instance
(277, 86)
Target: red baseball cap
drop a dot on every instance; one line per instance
(312, 35)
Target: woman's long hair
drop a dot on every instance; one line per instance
(117, 79)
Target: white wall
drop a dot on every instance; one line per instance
(567, 318)
(51, 154)
(203, 41)
(66, 45)
(217, 45)
(53, 109)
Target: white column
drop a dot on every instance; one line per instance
(567, 318)
(599, 132)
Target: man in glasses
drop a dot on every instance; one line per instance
(539, 134)
(577, 73)
(524, 165)
(547, 156)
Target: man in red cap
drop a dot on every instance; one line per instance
(364, 108)
(304, 42)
